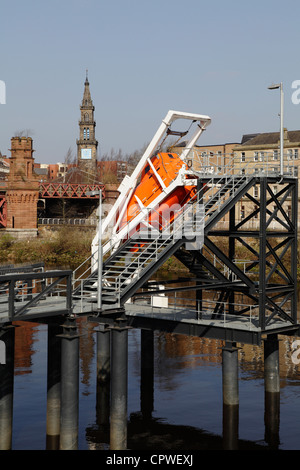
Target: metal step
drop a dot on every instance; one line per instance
(147, 254)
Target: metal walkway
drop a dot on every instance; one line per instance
(134, 261)
(232, 297)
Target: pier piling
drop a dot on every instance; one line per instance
(147, 373)
(272, 390)
(271, 364)
(230, 374)
(53, 386)
(69, 386)
(119, 381)
(103, 354)
(103, 376)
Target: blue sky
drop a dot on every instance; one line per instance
(144, 58)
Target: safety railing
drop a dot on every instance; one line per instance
(220, 186)
(61, 221)
(180, 307)
(260, 163)
(23, 294)
(213, 199)
(175, 230)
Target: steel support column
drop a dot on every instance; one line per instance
(53, 387)
(271, 364)
(103, 377)
(231, 252)
(69, 386)
(230, 395)
(262, 254)
(119, 380)
(230, 427)
(294, 249)
(230, 374)
(103, 354)
(272, 390)
(147, 373)
(272, 419)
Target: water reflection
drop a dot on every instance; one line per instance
(184, 412)
(25, 337)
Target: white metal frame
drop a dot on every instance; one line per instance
(128, 184)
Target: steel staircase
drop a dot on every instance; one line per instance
(132, 262)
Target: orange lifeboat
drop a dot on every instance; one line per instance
(167, 166)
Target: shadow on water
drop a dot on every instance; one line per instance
(155, 435)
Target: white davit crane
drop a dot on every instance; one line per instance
(129, 183)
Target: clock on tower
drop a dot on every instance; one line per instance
(87, 143)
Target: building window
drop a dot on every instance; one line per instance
(243, 157)
(275, 155)
(242, 212)
(290, 154)
(275, 189)
(296, 154)
(255, 191)
(88, 133)
(86, 117)
(256, 156)
(84, 133)
(262, 156)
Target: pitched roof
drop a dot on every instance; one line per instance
(247, 137)
(269, 138)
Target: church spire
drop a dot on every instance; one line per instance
(87, 100)
(87, 143)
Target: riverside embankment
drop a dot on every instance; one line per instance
(69, 246)
(64, 246)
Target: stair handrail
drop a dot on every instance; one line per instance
(171, 237)
(212, 184)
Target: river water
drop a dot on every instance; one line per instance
(188, 409)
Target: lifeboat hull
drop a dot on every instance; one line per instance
(167, 166)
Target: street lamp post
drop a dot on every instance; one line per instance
(274, 87)
(100, 254)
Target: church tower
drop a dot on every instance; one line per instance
(87, 143)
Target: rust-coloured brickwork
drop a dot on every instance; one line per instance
(22, 186)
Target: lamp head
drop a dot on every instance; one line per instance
(274, 86)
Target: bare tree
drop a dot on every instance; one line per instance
(23, 133)
(69, 157)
